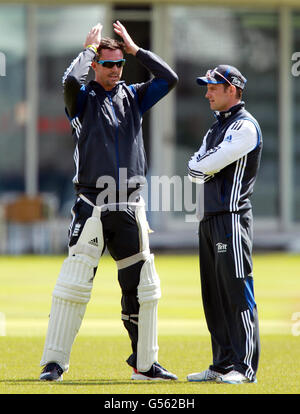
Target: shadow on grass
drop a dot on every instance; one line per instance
(96, 382)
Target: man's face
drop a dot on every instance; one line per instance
(108, 77)
(220, 99)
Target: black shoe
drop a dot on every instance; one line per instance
(52, 372)
(156, 372)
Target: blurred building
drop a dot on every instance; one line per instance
(39, 41)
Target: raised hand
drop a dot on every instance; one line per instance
(130, 46)
(94, 36)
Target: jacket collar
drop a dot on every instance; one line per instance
(224, 115)
(99, 88)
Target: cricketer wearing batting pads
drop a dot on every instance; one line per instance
(227, 164)
(106, 119)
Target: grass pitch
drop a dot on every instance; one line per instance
(98, 356)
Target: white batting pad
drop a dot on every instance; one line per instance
(141, 219)
(91, 240)
(72, 292)
(70, 297)
(148, 294)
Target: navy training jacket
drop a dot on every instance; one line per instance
(230, 189)
(107, 126)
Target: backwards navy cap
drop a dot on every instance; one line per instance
(223, 74)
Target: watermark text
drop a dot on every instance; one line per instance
(296, 324)
(296, 66)
(2, 64)
(2, 324)
(176, 194)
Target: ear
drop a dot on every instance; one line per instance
(93, 65)
(232, 90)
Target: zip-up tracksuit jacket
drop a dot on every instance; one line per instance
(107, 126)
(227, 163)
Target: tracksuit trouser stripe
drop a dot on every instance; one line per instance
(248, 325)
(237, 245)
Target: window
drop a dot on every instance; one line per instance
(12, 98)
(247, 39)
(61, 35)
(296, 123)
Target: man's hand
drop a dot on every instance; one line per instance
(94, 36)
(130, 47)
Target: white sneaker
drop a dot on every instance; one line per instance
(207, 375)
(156, 372)
(234, 377)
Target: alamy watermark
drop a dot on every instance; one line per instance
(2, 64)
(176, 194)
(296, 66)
(296, 324)
(2, 324)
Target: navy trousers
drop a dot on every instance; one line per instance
(225, 252)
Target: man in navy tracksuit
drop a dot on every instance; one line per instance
(110, 167)
(227, 164)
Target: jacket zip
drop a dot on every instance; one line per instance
(116, 138)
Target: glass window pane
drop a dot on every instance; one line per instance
(61, 34)
(296, 114)
(248, 39)
(12, 98)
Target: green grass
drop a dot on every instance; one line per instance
(98, 356)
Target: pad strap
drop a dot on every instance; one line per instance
(131, 260)
(129, 318)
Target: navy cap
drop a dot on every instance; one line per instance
(223, 74)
